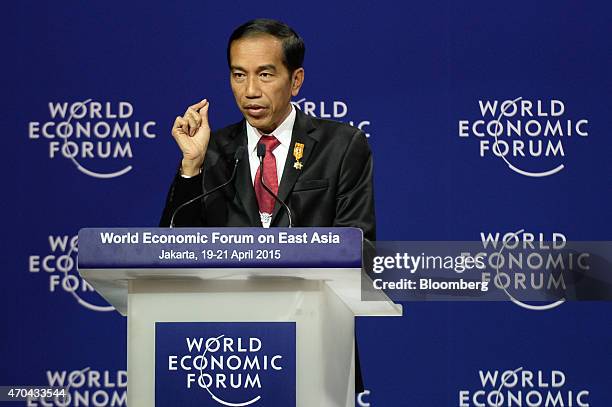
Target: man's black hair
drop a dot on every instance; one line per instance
(293, 45)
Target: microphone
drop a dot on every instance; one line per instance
(237, 157)
(261, 153)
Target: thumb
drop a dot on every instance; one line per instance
(204, 115)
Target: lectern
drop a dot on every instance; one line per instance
(234, 316)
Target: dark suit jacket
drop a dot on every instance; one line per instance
(334, 187)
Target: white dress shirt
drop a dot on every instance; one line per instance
(283, 134)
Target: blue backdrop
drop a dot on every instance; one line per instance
(412, 75)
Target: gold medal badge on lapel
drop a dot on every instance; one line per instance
(298, 153)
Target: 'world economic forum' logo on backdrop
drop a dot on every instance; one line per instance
(522, 387)
(522, 263)
(86, 388)
(334, 110)
(530, 137)
(98, 137)
(225, 364)
(58, 263)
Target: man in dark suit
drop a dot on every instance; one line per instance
(332, 188)
(322, 169)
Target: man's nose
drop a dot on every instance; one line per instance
(253, 91)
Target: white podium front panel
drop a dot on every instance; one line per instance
(324, 327)
(313, 285)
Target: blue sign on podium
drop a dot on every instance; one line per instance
(225, 364)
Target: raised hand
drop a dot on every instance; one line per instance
(192, 134)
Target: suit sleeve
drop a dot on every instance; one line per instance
(181, 191)
(355, 197)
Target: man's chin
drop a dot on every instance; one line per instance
(260, 124)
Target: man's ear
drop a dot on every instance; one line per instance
(297, 79)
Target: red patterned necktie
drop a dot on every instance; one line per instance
(264, 199)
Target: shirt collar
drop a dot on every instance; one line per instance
(282, 132)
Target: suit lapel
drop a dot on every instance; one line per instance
(244, 185)
(302, 129)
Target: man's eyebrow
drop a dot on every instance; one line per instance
(268, 67)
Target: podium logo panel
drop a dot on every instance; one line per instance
(225, 364)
